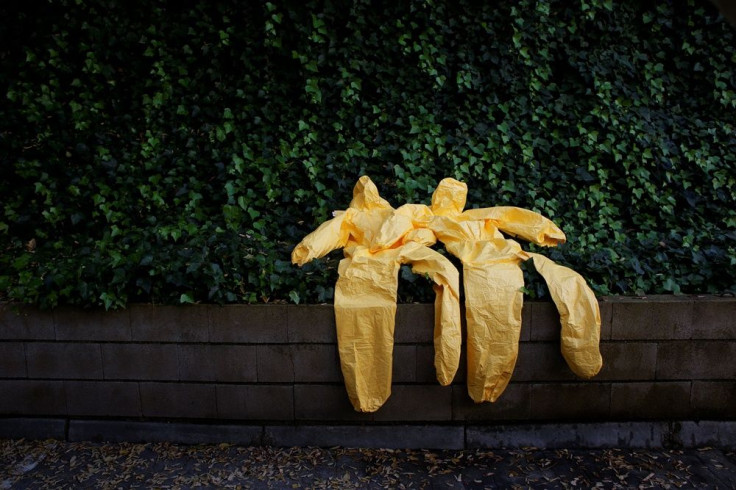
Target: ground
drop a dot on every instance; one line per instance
(56, 464)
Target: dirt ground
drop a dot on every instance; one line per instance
(56, 464)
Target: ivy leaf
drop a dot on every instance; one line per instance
(186, 298)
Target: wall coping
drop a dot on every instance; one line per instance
(622, 318)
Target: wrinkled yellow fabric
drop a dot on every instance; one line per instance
(580, 316)
(365, 294)
(493, 282)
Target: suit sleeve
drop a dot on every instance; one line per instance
(521, 223)
(330, 235)
(447, 330)
(580, 316)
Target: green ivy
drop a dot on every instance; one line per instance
(176, 152)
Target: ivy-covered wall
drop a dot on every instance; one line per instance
(177, 151)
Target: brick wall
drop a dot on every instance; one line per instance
(664, 359)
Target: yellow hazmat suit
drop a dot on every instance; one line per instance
(365, 293)
(493, 284)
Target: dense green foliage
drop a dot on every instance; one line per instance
(177, 151)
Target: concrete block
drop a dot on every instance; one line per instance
(32, 397)
(417, 403)
(102, 398)
(461, 376)
(19, 322)
(270, 402)
(545, 321)
(196, 362)
(391, 437)
(275, 363)
(223, 363)
(316, 363)
(546, 326)
(141, 361)
(232, 401)
(34, 429)
(541, 361)
(414, 324)
(308, 324)
(652, 319)
(513, 404)
(714, 399)
(606, 309)
(696, 360)
(628, 361)
(178, 400)
(708, 433)
(92, 325)
(714, 319)
(561, 435)
(325, 403)
(63, 361)
(526, 322)
(235, 363)
(425, 370)
(567, 401)
(405, 364)
(256, 402)
(12, 360)
(154, 323)
(258, 324)
(650, 400)
(179, 433)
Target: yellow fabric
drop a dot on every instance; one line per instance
(493, 302)
(493, 281)
(365, 293)
(580, 316)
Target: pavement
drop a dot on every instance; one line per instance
(58, 464)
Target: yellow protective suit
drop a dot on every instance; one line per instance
(365, 293)
(493, 281)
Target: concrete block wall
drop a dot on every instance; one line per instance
(665, 358)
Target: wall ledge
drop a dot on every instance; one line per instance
(676, 434)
